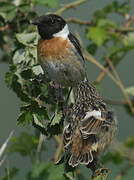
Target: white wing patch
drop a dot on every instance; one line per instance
(96, 114)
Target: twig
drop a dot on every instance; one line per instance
(116, 80)
(2, 149)
(121, 85)
(115, 102)
(94, 61)
(78, 21)
(59, 148)
(8, 170)
(69, 176)
(41, 139)
(100, 77)
(125, 29)
(2, 161)
(70, 5)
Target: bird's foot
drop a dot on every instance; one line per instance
(101, 171)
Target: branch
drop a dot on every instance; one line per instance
(78, 21)
(100, 77)
(91, 59)
(41, 140)
(116, 102)
(70, 5)
(116, 80)
(125, 29)
(59, 148)
(121, 85)
(2, 149)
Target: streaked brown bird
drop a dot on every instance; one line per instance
(59, 51)
(91, 127)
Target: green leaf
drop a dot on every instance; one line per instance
(8, 78)
(115, 157)
(50, 4)
(98, 35)
(36, 121)
(92, 48)
(28, 39)
(130, 90)
(24, 8)
(113, 7)
(49, 171)
(25, 118)
(33, 52)
(18, 57)
(129, 39)
(100, 177)
(5, 6)
(13, 172)
(123, 8)
(57, 118)
(25, 144)
(11, 15)
(119, 49)
(7, 11)
(106, 23)
(37, 70)
(130, 142)
(17, 88)
(27, 74)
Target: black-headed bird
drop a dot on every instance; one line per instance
(59, 51)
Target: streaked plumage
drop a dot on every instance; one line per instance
(91, 127)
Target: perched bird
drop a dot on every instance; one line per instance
(59, 51)
(90, 126)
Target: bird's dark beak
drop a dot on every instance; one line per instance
(36, 22)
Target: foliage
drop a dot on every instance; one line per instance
(18, 41)
(13, 172)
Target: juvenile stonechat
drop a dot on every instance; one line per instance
(90, 126)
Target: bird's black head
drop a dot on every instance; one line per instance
(48, 25)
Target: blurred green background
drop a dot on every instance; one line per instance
(9, 103)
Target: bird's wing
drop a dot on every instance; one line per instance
(95, 122)
(76, 44)
(67, 136)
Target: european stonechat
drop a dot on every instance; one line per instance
(59, 51)
(90, 128)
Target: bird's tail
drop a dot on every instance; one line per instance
(81, 159)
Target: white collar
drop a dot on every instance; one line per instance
(63, 33)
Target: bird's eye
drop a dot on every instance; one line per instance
(58, 20)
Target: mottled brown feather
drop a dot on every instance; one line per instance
(76, 144)
(88, 136)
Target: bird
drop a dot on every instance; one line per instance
(59, 51)
(90, 127)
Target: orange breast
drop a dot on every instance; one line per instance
(53, 48)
